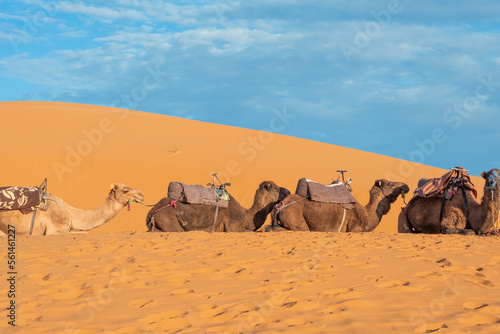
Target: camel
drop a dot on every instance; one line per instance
(421, 215)
(200, 217)
(307, 215)
(61, 218)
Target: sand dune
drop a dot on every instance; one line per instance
(121, 279)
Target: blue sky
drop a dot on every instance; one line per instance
(417, 80)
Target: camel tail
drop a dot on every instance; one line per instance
(404, 225)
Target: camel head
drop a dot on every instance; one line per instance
(492, 179)
(125, 195)
(385, 193)
(390, 190)
(267, 193)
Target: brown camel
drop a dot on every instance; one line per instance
(307, 215)
(62, 218)
(421, 215)
(200, 217)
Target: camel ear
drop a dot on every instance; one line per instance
(483, 174)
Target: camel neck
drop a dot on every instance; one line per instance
(490, 207)
(374, 210)
(84, 220)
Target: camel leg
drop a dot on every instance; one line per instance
(458, 231)
(166, 221)
(292, 222)
(404, 225)
(277, 228)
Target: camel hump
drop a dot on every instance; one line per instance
(194, 194)
(19, 198)
(337, 192)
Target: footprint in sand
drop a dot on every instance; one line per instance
(361, 265)
(473, 306)
(211, 313)
(443, 262)
(480, 281)
(372, 278)
(430, 327)
(343, 293)
(29, 318)
(302, 306)
(170, 321)
(221, 330)
(141, 303)
(479, 319)
(354, 304)
(432, 275)
(392, 284)
(207, 310)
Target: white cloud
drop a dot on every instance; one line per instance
(237, 56)
(103, 13)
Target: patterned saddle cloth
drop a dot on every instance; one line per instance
(336, 192)
(25, 199)
(197, 194)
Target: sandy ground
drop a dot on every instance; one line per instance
(121, 279)
(303, 282)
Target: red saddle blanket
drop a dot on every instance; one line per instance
(19, 198)
(195, 194)
(336, 192)
(439, 187)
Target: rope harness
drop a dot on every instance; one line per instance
(280, 206)
(459, 184)
(172, 204)
(128, 203)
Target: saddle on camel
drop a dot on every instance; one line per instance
(215, 195)
(337, 192)
(446, 187)
(25, 199)
(198, 194)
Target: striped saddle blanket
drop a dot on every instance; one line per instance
(446, 185)
(197, 194)
(336, 192)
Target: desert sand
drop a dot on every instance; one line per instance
(291, 282)
(121, 279)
